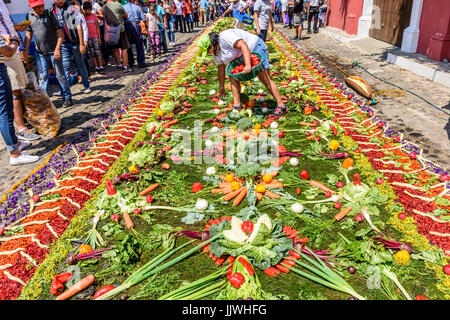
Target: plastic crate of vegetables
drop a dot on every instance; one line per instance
(235, 68)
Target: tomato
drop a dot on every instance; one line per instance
(304, 174)
(103, 290)
(196, 187)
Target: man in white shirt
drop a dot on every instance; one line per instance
(312, 10)
(284, 9)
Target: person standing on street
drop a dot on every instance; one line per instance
(322, 13)
(203, 5)
(74, 45)
(290, 14)
(115, 14)
(48, 38)
(263, 18)
(7, 131)
(284, 9)
(134, 26)
(312, 10)
(188, 10)
(163, 25)
(17, 75)
(298, 18)
(170, 18)
(94, 40)
(178, 12)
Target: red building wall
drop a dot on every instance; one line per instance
(434, 37)
(344, 14)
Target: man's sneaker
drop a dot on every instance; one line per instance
(127, 69)
(308, 32)
(68, 103)
(280, 111)
(23, 145)
(57, 94)
(23, 159)
(87, 91)
(27, 135)
(295, 38)
(101, 70)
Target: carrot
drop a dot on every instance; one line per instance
(280, 161)
(307, 124)
(222, 177)
(311, 137)
(172, 122)
(227, 191)
(240, 197)
(342, 213)
(273, 174)
(224, 184)
(77, 287)
(233, 194)
(259, 196)
(269, 272)
(271, 195)
(218, 190)
(238, 179)
(321, 186)
(149, 189)
(220, 261)
(165, 166)
(129, 223)
(273, 185)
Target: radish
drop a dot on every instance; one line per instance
(359, 218)
(201, 204)
(264, 109)
(293, 162)
(339, 184)
(402, 216)
(446, 269)
(380, 181)
(212, 92)
(274, 125)
(35, 198)
(297, 207)
(136, 211)
(214, 130)
(216, 111)
(220, 102)
(412, 155)
(444, 178)
(2, 231)
(210, 171)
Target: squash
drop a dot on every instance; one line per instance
(334, 145)
(348, 163)
(308, 111)
(402, 257)
(84, 248)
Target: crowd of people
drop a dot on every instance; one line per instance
(82, 37)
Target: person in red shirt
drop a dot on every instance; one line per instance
(94, 41)
(187, 15)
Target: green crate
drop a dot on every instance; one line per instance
(242, 76)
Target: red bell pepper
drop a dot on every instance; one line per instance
(247, 226)
(110, 187)
(103, 290)
(247, 266)
(356, 179)
(237, 279)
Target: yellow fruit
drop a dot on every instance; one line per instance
(235, 185)
(402, 257)
(260, 188)
(257, 126)
(229, 177)
(334, 145)
(267, 178)
(233, 127)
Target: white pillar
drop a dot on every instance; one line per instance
(411, 34)
(365, 21)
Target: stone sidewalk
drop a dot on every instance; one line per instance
(106, 90)
(420, 122)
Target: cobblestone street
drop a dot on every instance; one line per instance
(106, 90)
(420, 122)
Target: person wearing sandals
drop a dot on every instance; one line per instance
(231, 44)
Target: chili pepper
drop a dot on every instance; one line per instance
(247, 226)
(286, 228)
(301, 240)
(236, 280)
(211, 221)
(298, 191)
(247, 266)
(356, 179)
(282, 268)
(220, 261)
(290, 263)
(333, 128)
(152, 130)
(269, 272)
(57, 287)
(291, 257)
(110, 187)
(207, 226)
(275, 271)
(293, 235)
(103, 290)
(217, 221)
(63, 277)
(230, 259)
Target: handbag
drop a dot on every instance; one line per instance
(112, 34)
